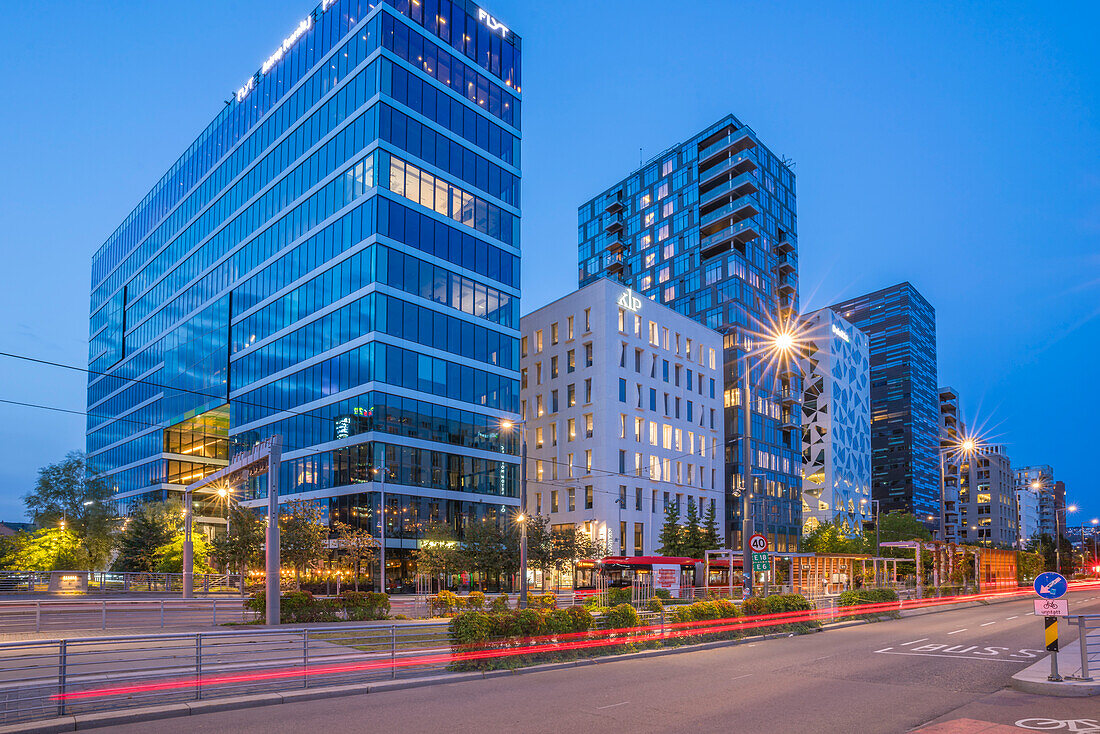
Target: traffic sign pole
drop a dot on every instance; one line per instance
(1051, 628)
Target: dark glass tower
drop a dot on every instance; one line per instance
(904, 397)
(708, 228)
(335, 260)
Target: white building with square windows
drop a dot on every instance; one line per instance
(622, 399)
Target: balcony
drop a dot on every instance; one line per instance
(735, 165)
(737, 186)
(614, 206)
(615, 244)
(614, 224)
(735, 142)
(789, 397)
(788, 420)
(738, 209)
(784, 245)
(613, 262)
(721, 240)
(787, 288)
(785, 264)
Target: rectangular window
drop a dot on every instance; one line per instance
(638, 499)
(571, 429)
(538, 341)
(554, 402)
(588, 461)
(588, 425)
(569, 328)
(588, 390)
(570, 361)
(639, 533)
(622, 321)
(588, 497)
(570, 395)
(587, 320)
(553, 367)
(572, 498)
(622, 390)
(553, 500)
(587, 355)
(554, 333)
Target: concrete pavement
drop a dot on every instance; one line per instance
(887, 677)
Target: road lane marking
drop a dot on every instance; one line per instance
(957, 631)
(739, 677)
(612, 705)
(1012, 617)
(988, 623)
(913, 642)
(887, 651)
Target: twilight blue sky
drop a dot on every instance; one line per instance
(956, 146)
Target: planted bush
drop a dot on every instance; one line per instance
(499, 603)
(298, 607)
(864, 597)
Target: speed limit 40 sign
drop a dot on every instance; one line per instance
(758, 543)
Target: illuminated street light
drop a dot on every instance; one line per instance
(508, 425)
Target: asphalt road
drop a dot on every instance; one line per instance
(893, 676)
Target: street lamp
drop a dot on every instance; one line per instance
(877, 507)
(1058, 534)
(507, 425)
(777, 343)
(380, 472)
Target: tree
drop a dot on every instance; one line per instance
(670, 537)
(829, 537)
(303, 531)
(711, 539)
(170, 555)
(691, 533)
(45, 549)
(152, 526)
(242, 545)
(64, 494)
(540, 545)
(438, 554)
(491, 549)
(356, 543)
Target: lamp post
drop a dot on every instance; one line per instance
(1058, 534)
(380, 472)
(779, 344)
(876, 506)
(507, 425)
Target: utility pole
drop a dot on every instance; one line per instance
(525, 515)
(382, 524)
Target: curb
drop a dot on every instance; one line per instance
(164, 711)
(1033, 678)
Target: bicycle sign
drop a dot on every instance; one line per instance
(1077, 725)
(758, 543)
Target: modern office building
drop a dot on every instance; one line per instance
(901, 326)
(622, 398)
(334, 260)
(836, 423)
(708, 228)
(1038, 480)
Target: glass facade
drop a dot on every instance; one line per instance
(708, 228)
(336, 260)
(905, 410)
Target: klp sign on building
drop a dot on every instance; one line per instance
(667, 577)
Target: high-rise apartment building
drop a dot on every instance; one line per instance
(836, 423)
(979, 486)
(952, 434)
(901, 326)
(708, 228)
(334, 260)
(1038, 480)
(622, 399)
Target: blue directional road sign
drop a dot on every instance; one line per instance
(1050, 585)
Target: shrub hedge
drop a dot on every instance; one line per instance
(475, 631)
(863, 597)
(297, 607)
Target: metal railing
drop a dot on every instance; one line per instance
(45, 615)
(1088, 631)
(106, 581)
(44, 679)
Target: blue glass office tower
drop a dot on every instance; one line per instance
(708, 228)
(901, 324)
(335, 260)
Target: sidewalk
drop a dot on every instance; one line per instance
(1034, 678)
